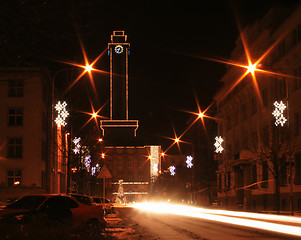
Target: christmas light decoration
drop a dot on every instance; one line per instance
(87, 161)
(218, 144)
(154, 159)
(172, 170)
(278, 113)
(62, 114)
(189, 161)
(77, 145)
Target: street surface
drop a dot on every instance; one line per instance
(136, 224)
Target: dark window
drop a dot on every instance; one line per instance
(282, 88)
(298, 168)
(15, 148)
(254, 176)
(220, 182)
(264, 95)
(27, 202)
(253, 105)
(265, 174)
(14, 178)
(43, 179)
(71, 203)
(283, 175)
(297, 123)
(265, 136)
(236, 117)
(16, 88)
(228, 180)
(244, 111)
(15, 116)
(298, 78)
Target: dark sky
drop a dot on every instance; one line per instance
(166, 39)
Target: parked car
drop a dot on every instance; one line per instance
(105, 203)
(51, 215)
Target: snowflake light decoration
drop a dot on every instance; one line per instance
(62, 114)
(77, 145)
(218, 144)
(172, 170)
(189, 161)
(88, 161)
(278, 113)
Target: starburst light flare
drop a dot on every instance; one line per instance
(279, 113)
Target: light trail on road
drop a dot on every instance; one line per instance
(232, 217)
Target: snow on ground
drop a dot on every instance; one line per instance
(122, 228)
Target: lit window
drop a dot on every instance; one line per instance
(14, 178)
(15, 116)
(15, 148)
(16, 88)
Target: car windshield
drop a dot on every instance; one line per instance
(27, 202)
(97, 200)
(82, 199)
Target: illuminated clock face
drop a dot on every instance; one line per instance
(118, 49)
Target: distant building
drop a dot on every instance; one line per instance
(137, 167)
(24, 131)
(255, 150)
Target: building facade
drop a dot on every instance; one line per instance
(133, 169)
(261, 159)
(24, 129)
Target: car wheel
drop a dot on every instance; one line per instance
(92, 229)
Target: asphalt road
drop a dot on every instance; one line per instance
(151, 226)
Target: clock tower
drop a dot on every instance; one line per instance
(119, 126)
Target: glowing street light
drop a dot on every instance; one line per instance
(218, 144)
(189, 161)
(278, 113)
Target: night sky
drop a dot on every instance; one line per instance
(167, 38)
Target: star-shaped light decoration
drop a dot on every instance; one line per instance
(62, 114)
(172, 170)
(279, 113)
(189, 161)
(77, 145)
(218, 144)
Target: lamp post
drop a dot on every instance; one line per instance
(62, 114)
(280, 119)
(219, 149)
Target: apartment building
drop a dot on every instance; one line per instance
(257, 153)
(24, 140)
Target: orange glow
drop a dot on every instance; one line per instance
(87, 68)
(103, 155)
(94, 115)
(163, 154)
(17, 183)
(177, 140)
(100, 139)
(279, 224)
